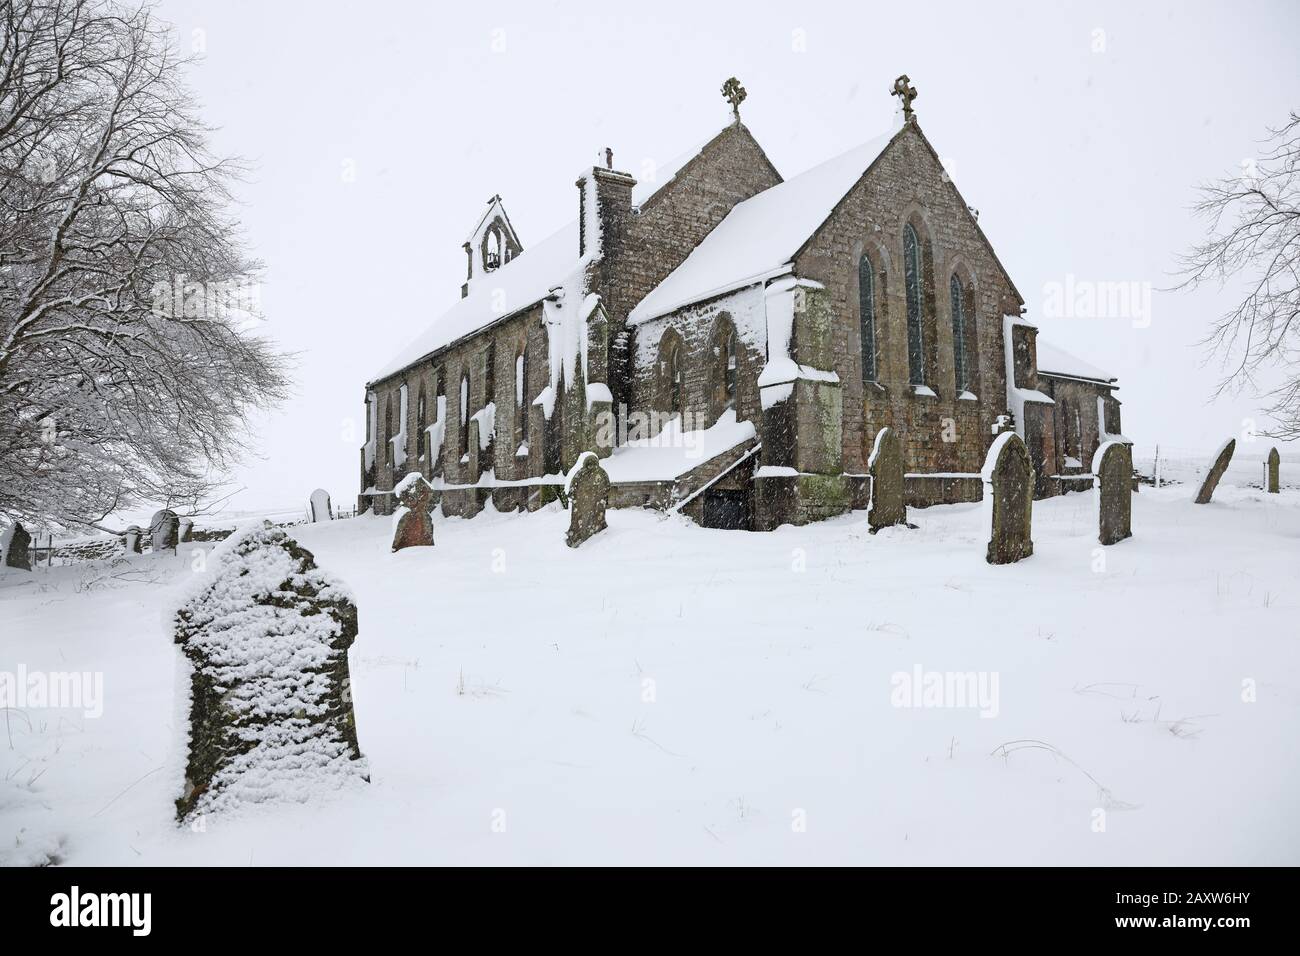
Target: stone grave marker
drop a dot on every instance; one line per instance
(1008, 499)
(319, 503)
(15, 543)
(588, 489)
(271, 716)
(1216, 472)
(163, 530)
(888, 502)
(1112, 469)
(412, 523)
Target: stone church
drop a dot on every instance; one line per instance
(730, 342)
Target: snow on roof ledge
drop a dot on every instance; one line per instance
(1057, 361)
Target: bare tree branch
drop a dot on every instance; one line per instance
(128, 368)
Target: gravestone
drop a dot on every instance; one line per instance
(1274, 465)
(163, 530)
(15, 544)
(319, 503)
(1112, 470)
(131, 539)
(271, 717)
(412, 524)
(588, 489)
(1216, 472)
(888, 503)
(1008, 499)
(185, 530)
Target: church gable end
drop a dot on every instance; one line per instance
(936, 286)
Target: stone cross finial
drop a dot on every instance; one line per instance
(734, 94)
(906, 92)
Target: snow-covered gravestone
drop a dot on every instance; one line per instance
(1216, 472)
(1008, 499)
(15, 545)
(185, 530)
(1274, 463)
(163, 530)
(131, 539)
(412, 524)
(587, 486)
(1112, 471)
(319, 503)
(271, 714)
(888, 503)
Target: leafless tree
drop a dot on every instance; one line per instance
(1254, 231)
(128, 361)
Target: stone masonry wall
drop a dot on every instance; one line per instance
(1077, 438)
(697, 328)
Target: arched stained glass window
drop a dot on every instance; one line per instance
(867, 317)
(959, 308)
(912, 281)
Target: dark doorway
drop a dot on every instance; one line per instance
(727, 510)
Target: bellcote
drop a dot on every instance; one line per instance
(491, 245)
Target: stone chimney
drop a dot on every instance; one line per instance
(608, 193)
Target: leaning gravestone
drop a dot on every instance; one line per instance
(319, 503)
(888, 503)
(271, 716)
(588, 489)
(163, 530)
(1216, 471)
(15, 545)
(1008, 499)
(412, 524)
(1112, 470)
(131, 539)
(1274, 463)
(185, 530)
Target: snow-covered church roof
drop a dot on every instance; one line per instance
(759, 237)
(522, 282)
(529, 277)
(1055, 361)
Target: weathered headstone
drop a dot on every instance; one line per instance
(888, 503)
(587, 486)
(412, 524)
(1008, 499)
(163, 530)
(185, 530)
(131, 539)
(319, 503)
(1216, 472)
(1274, 466)
(271, 715)
(15, 543)
(1112, 470)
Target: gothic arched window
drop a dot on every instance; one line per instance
(420, 423)
(912, 281)
(672, 396)
(464, 414)
(959, 308)
(521, 391)
(388, 430)
(729, 367)
(867, 316)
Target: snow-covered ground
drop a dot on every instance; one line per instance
(668, 694)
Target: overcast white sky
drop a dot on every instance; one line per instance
(1081, 161)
